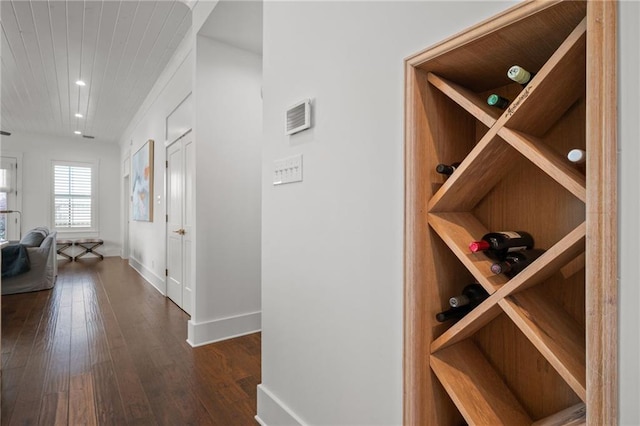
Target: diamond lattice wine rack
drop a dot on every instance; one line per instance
(541, 348)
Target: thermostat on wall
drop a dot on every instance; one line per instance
(298, 117)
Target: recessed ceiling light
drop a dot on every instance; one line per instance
(78, 132)
(81, 83)
(78, 115)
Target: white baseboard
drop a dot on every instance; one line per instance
(157, 282)
(273, 412)
(203, 333)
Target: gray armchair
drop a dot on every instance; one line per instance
(43, 264)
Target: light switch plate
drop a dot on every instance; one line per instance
(287, 170)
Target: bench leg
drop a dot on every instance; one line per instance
(61, 252)
(89, 250)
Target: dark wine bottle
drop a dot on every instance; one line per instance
(496, 245)
(498, 101)
(515, 262)
(473, 295)
(453, 313)
(445, 169)
(520, 75)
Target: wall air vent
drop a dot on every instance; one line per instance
(88, 137)
(298, 117)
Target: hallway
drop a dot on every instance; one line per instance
(104, 347)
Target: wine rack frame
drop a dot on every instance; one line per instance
(542, 348)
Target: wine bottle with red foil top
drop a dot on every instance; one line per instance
(520, 75)
(447, 169)
(515, 262)
(496, 245)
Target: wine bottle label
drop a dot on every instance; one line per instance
(520, 248)
(519, 74)
(510, 234)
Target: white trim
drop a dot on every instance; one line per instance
(126, 164)
(272, 411)
(216, 330)
(167, 144)
(148, 275)
(125, 214)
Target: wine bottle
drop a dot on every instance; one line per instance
(496, 245)
(445, 169)
(520, 75)
(577, 156)
(453, 313)
(515, 262)
(473, 295)
(498, 101)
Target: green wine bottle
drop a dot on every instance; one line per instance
(498, 101)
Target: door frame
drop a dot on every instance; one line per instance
(126, 211)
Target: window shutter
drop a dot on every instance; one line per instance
(72, 190)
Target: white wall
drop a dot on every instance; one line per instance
(225, 82)
(629, 211)
(38, 153)
(332, 245)
(228, 135)
(147, 248)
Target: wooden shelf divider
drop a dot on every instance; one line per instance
(558, 84)
(458, 230)
(476, 388)
(470, 101)
(554, 333)
(557, 167)
(472, 322)
(572, 416)
(480, 171)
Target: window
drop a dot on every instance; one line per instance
(74, 196)
(10, 214)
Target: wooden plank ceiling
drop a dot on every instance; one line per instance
(118, 48)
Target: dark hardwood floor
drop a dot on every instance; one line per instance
(104, 347)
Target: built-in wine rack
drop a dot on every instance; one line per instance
(541, 349)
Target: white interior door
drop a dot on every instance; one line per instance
(180, 167)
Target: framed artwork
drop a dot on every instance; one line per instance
(142, 191)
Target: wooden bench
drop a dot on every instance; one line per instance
(88, 246)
